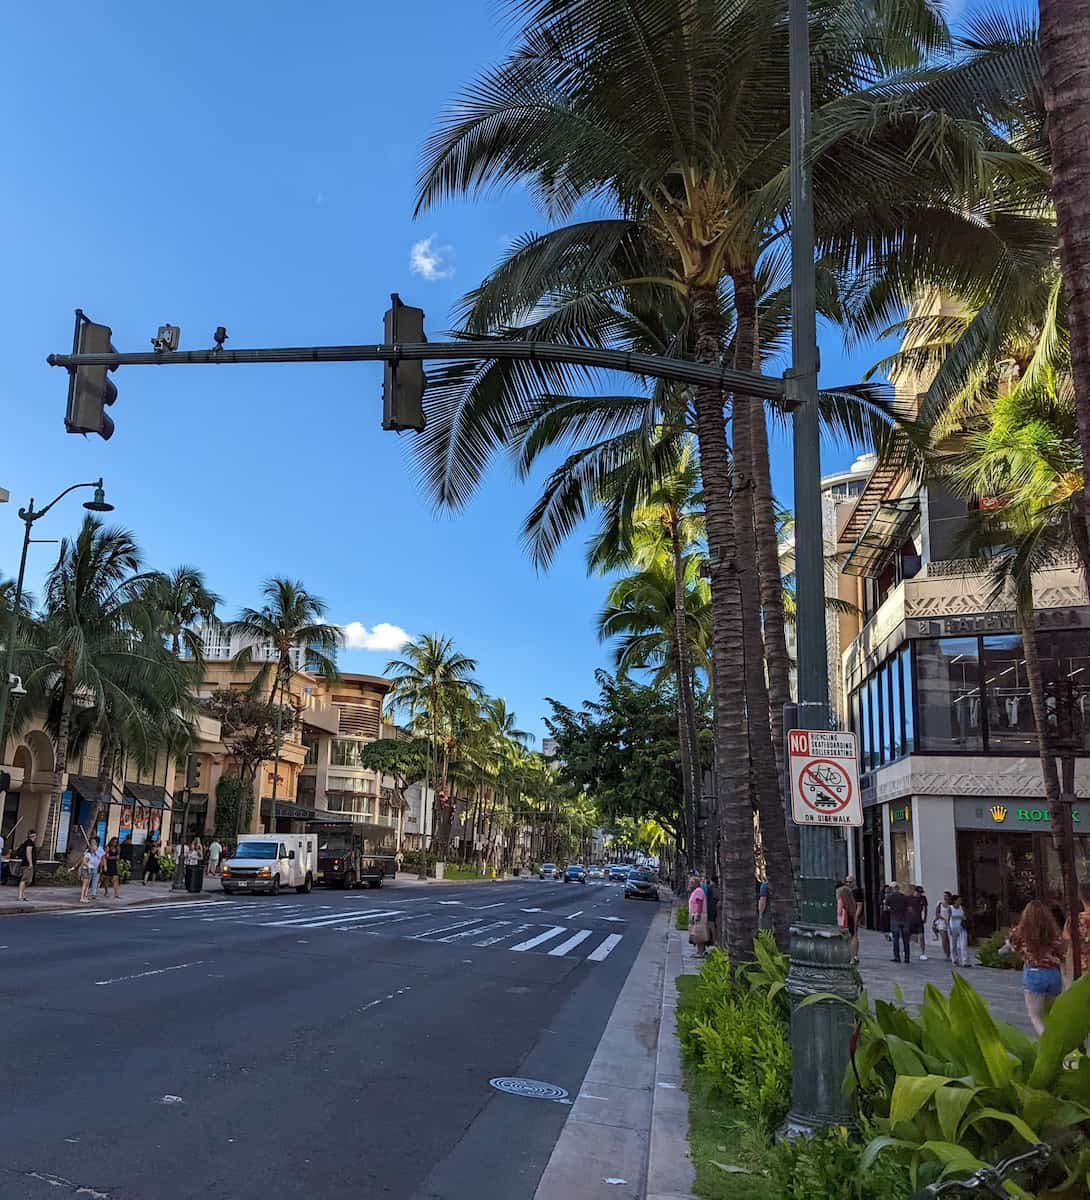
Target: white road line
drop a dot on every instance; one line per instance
(378, 932)
(242, 916)
(604, 950)
(312, 922)
(145, 974)
(503, 936)
(547, 936)
(468, 933)
(572, 916)
(139, 909)
(416, 937)
(482, 907)
(570, 944)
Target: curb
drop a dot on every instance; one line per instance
(49, 906)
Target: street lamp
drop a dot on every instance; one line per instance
(820, 959)
(28, 516)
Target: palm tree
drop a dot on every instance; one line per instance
(435, 684)
(96, 648)
(183, 599)
(675, 116)
(288, 623)
(1065, 60)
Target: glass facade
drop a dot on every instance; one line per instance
(970, 695)
(348, 752)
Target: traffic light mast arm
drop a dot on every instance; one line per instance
(727, 379)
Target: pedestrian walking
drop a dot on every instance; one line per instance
(959, 933)
(215, 850)
(151, 863)
(764, 906)
(899, 917)
(88, 871)
(917, 916)
(25, 862)
(1084, 933)
(711, 901)
(1038, 940)
(860, 911)
(883, 910)
(399, 858)
(940, 927)
(698, 916)
(845, 910)
(112, 865)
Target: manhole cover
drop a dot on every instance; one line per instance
(533, 1088)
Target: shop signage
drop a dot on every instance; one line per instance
(1010, 815)
(824, 767)
(897, 815)
(996, 622)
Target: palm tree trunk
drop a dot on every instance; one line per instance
(1065, 67)
(1046, 749)
(49, 840)
(737, 909)
(768, 778)
(687, 732)
(777, 659)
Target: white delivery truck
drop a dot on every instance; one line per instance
(267, 862)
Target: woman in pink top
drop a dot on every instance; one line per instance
(698, 917)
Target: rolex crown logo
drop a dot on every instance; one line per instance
(998, 812)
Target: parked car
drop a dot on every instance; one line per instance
(267, 862)
(550, 871)
(641, 885)
(575, 873)
(617, 872)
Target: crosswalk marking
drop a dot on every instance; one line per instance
(312, 922)
(570, 944)
(143, 908)
(547, 936)
(604, 950)
(428, 933)
(491, 941)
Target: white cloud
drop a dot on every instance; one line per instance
(383, 636)
(429, 260)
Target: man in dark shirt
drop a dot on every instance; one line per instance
(897, 904)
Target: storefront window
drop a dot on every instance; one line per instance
(887, 713)
(896, 715)
(948, 683)
(1072, 666)
(906, 699)
(348, 752)
(865, 740)
(1009, 710)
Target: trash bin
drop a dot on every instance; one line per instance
(194, 878)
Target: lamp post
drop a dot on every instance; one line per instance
(820, 959)
(28, 516)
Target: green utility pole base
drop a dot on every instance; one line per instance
(821, 1032)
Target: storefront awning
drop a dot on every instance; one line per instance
(290, 812)
(86, 788)
(884, 534)
(147, 795)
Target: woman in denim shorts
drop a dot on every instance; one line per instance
(1038, 940)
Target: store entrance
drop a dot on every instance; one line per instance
(1000, 873)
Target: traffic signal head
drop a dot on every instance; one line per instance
(90, 389)
(404, 381)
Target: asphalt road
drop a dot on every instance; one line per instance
(331, 1045)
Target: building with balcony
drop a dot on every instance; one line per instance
(934, 684)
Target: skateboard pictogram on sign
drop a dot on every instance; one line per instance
(825, 786)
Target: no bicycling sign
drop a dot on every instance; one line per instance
(824, 768)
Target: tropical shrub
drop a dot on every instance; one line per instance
(951, 1089)
(681, 917)
(826, 1166)
(988, 953)
(735, 1034)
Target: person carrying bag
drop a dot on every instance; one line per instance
(698, 917)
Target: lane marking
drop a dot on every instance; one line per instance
(572, 916)
(145, 974)
(377, 932)
(138, 909)
(446, 929)
(547, 936)
(605, 949)
(468, 933)
(570, 944)
(450, 902)
(482, 907)
(319, 922)
(242, 916)
(503, 936)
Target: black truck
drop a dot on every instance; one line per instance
(351, 853)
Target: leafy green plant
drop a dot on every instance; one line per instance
(62, 876)
(166, 864)
(952, 1089)
(736, 1035)
(827, 1166)
(681, 917)
(124, 870)
(988, 952)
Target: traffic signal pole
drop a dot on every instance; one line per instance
(820, 956)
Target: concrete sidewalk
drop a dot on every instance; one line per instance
(1002, 990)
(44, 898)
(626, 1137)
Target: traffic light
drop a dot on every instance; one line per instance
(403, 382)
(89, 389)
(192, 772)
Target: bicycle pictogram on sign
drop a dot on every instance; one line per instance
(824, 777)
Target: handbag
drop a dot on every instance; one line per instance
(15, 868)
(698, 930)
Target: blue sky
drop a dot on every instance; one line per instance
(253, 165)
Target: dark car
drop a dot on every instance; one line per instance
(617, 872)
(575, 873)
(549, 871)
(641, 885)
